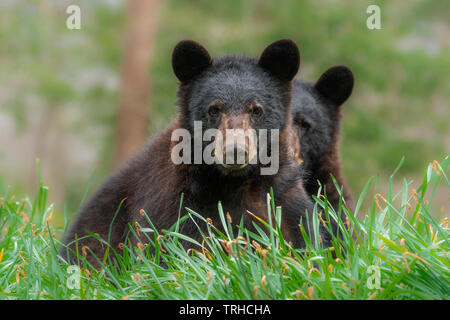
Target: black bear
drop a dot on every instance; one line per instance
(226, 94)
(316, 114)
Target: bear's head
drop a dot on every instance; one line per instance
(316, 112)
(236, 97)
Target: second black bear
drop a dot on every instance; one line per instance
(316, 114)
(225, 93)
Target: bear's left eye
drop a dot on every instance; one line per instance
(214, 111)
(302, 123)
(256, 111)
(305, 125)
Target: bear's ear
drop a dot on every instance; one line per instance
(281, 59)
(189, 59)
(336, 84)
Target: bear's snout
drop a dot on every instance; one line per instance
(236, 149)
(236, 156)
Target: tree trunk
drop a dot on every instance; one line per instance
(133, 114)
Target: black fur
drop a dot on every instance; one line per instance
(335, 85)
(282, 59)
(316, 110)
(189, 59)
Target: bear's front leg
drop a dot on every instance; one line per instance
(298, 209)
(103, 215)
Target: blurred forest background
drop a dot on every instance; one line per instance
(81, 100)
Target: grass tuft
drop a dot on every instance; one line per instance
(397, 250)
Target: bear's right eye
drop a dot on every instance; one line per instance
(303, 123)
(214, 111)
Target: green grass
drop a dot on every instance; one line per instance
(398, 235)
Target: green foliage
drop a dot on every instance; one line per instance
(398, 235)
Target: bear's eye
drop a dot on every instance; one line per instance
(214, 111)
(305, 125)
(302, 123)
(256, 111)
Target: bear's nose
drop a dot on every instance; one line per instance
(235, 156)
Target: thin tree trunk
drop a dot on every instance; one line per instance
(134, 112)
